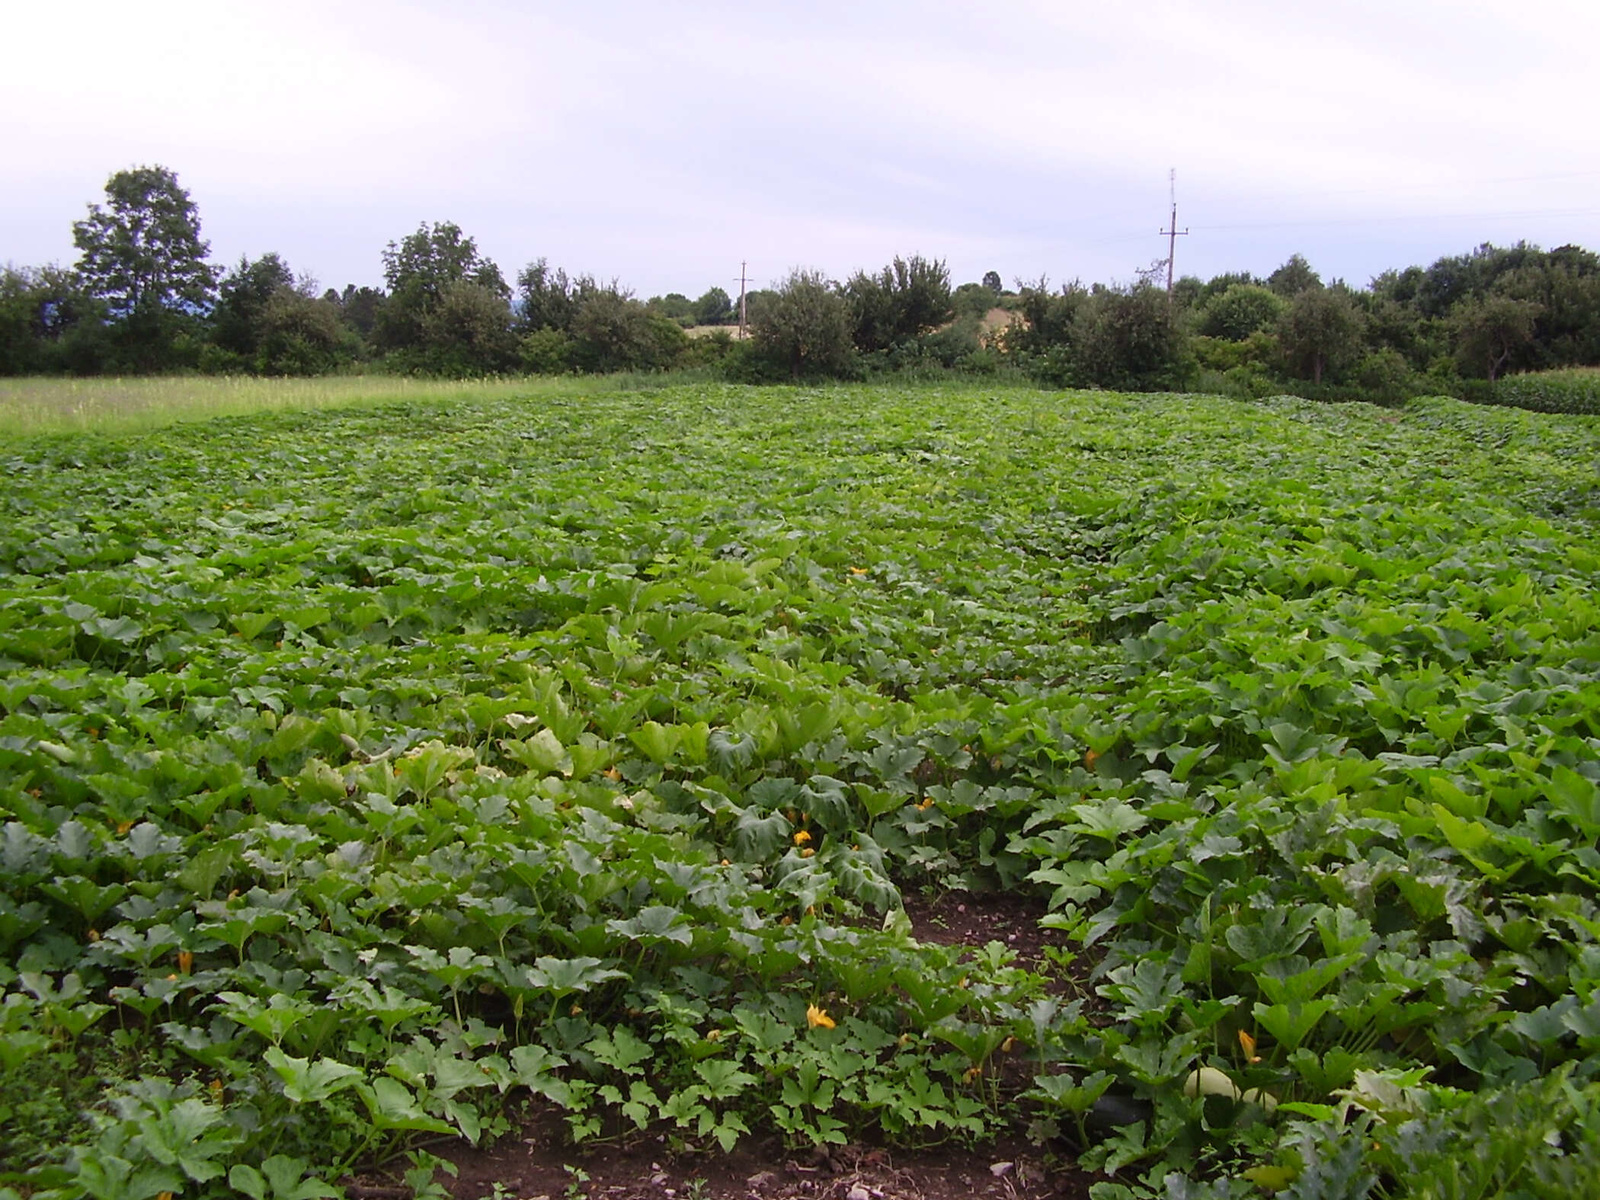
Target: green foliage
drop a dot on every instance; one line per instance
(1391, 325)
(972, 301)
(755, 301)
(1050, 318)
(369, 774)
(1240, 311)
(1488, 330)
(448, 309)
(589, 326)
(1576, 391)
(1565, 285)
(466, 331)
(18, 309)
(1218, 284)
(300, 335)
(547, 299)
(48, 323)
(714, 308)
(1187, 291)
(1293, 277)
(899, 303)
(48, 1090)
(545, 352)
(242, 299)
(1538, 1139)
(1457, 278)
(1384, 377)
(1129, 340)
(804, 329)
(267, 323)
(142, 254)
(142, 257)
(1320, 332)
(611, 331)
(357, 307)
(675, 307)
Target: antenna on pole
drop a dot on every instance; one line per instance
(1172, 233)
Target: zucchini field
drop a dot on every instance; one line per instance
(378, 776)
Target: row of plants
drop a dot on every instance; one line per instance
(1572, 391)
(371, 776)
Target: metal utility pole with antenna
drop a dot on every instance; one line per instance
(1172, 233)
(742, 272)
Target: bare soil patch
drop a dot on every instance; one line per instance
(532, 1169)
(999, 318)
(537, 1163)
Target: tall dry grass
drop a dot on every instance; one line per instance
(33, 405)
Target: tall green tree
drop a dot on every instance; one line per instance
(141, 254)
(1294, 277)
(417, 270)
(802, 328)
(674, 306)
(1565, 284)
(1459, 277)
(713, 308)
(357, 307)
(1218, 284)
(1241, 310)
(546, 298)
(1490, 329)
(48, 322)
(19, 343)
(466, 332)
(1129, 339)
(1321, 331)
(242, 299)
(901, 302)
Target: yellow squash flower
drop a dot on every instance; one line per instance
(816, 1016)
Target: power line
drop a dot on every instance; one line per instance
(1419, 191)
(1245, 227)
(1397, 220)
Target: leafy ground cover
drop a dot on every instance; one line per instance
(388, 776)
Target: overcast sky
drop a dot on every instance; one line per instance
(665, 142)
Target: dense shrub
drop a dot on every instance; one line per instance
(1240, 311)
(805, 329)
(1130, 342)
(1049, 319)
(898, 304)
(1385, 377)
(299, 335)
(1241, 383)
(611, 331)
(545, 352)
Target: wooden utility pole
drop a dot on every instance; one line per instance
(743, 266)
(1172, 233)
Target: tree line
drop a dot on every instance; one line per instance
(144, 297)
